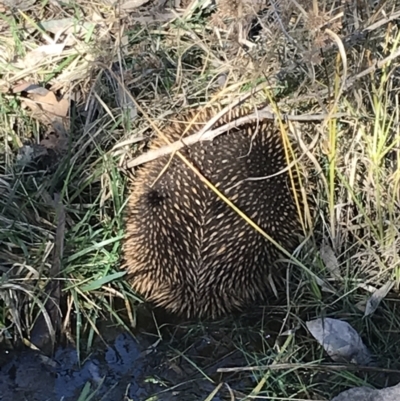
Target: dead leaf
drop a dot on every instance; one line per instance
(4, 87)
(22, 5)
(329, 258)
(37, 55)
(50, 111)
(125, 102)
(340, 340)
(132, 4)
(69, 27)
(30, 87)
(56, 140)
(376, 298)
(47, 108)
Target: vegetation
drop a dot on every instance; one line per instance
(81, 85)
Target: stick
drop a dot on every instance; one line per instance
(287, 366)
(211, 134)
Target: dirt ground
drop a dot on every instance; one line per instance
(128, 368)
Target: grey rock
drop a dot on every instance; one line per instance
(368, 394)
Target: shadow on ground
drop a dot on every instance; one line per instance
(124, 367)
(178, 361)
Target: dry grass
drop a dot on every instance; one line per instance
(309, 57)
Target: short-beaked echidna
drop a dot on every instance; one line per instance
(185, 249)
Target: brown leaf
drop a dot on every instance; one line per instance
(58, 143)
(47, 109)
(50, 111)
(49, 103)
(30, 87)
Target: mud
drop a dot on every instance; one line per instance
(129, 368)
(170, 362)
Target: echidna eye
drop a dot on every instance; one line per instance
(155, 198)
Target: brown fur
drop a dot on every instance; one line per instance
(185, 249)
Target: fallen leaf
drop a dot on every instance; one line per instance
(4, 87)
(329, 258)
(50, 111)
(376, 298)
(55, 142)
(47, 107)
(37, 55)
(340, 340)
(132, 4)
(125, 102)
(69, 27)
(30, 87)
(22, 5)
(323, 285)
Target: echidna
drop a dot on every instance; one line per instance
(185, 249)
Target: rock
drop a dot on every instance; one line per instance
(369, 394)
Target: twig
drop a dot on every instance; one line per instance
(360, 34)
(228, 108)
(381, 22)
(204, 134)
(287, 366)
(377, 64)
(211, 134)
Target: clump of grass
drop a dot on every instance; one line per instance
(311, 61)
(86, 176)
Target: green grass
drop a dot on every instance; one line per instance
(354, 164)
(92, 190)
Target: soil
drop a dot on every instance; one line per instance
(120, 366)
(168, 362)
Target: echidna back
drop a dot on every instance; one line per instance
(186, 250)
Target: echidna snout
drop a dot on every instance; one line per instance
(185, 249)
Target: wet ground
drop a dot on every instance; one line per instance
(167, 362)
(139, 368)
